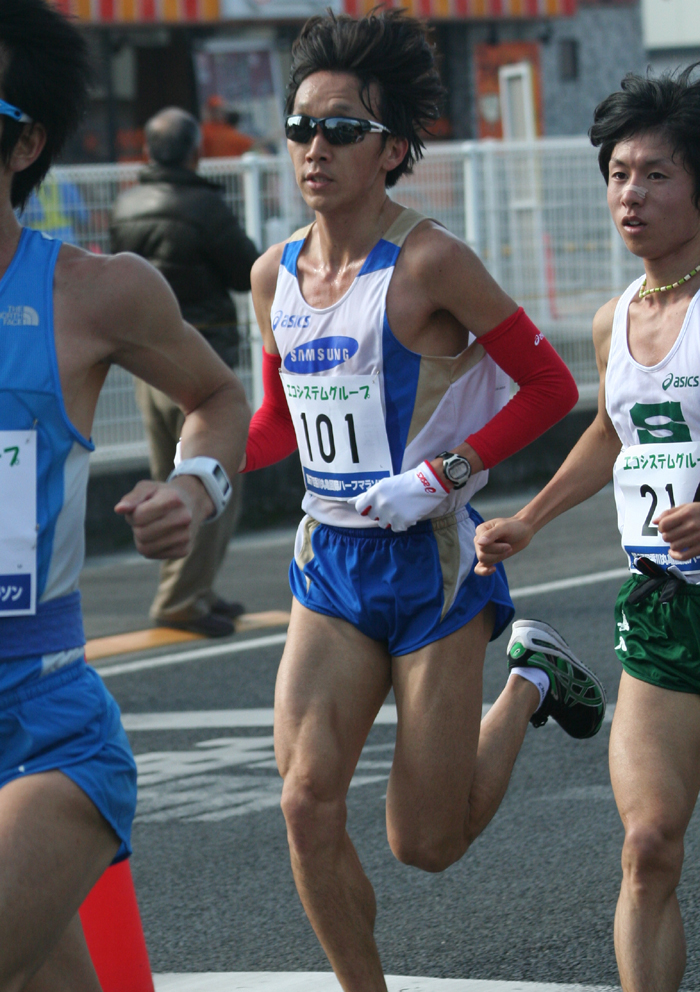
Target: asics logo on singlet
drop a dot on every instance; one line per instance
(282, 319)
(680, 381)
(20, 317)
(320, 355)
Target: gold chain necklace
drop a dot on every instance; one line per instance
(672, 285)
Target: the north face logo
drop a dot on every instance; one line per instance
(20, 317)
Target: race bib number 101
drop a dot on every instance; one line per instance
(341, 433)
(18, 534)
(653, 478)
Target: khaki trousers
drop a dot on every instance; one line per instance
(185, 588)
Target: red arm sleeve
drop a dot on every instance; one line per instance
(271, 434)
(547, 389)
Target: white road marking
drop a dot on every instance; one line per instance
(225, 777)
(253, 643)
(197, 654)
(204, 719)
(306, 981)
(207, 719)
(572, 583)
(196, 784)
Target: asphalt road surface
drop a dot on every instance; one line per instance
(533, 900)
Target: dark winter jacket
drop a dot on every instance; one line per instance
(181, 224)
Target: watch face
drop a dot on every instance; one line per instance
(457, 470)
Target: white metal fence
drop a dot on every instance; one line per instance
(535, 212)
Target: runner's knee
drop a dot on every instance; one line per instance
(652, 854)
(315, 816)
(430, 849)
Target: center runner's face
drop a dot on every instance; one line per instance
(331, 176)
(665, 219)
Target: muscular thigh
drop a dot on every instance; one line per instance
(54, 845)
(439, 697)
(655, 755)
(331, 682)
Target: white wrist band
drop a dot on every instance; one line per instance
(212, 476)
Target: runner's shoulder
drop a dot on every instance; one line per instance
(603, 325)
(106, 278)
(431, 253)
(263, 275)
(108, 292)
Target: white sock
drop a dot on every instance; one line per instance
(537, 676)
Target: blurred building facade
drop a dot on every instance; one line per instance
(513, 68)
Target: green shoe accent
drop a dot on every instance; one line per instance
(576, 696)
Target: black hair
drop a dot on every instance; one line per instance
(387, 49)
(668, 104)
(46, 73)
(172, 136)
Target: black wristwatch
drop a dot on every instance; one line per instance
(456, 468)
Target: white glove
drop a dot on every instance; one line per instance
(400, 501)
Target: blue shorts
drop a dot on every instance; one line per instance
(67, 721)
(403, 589)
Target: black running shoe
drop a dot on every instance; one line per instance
(576, 697)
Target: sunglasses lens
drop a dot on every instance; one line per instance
(298, 128)
(342, 130)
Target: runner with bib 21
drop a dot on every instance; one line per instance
(646, 436)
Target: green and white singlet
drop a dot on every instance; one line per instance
(656, 413)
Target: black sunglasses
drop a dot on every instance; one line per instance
(336, 130)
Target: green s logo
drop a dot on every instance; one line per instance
(657, 422)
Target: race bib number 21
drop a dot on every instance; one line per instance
(341, 433)
(653, 478)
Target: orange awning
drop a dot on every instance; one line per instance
(470, 9)
(141, 11)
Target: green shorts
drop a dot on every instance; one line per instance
(660, 642)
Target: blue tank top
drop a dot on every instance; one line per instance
(31, 399)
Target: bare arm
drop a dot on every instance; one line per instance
(586, 470)
(263, 282)
(456, 296)
(142, 331)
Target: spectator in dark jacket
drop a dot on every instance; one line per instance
(182, 225)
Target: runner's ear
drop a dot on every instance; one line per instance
(29, 147)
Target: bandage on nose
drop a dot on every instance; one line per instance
(639, 190)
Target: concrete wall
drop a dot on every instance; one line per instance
(609, 45)
(609, 42)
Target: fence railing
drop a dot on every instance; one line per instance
(535, 212)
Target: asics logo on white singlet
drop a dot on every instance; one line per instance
(20, 317)
(282, 319)
(680, 381)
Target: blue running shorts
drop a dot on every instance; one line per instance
(65, 720)
(404, 589)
